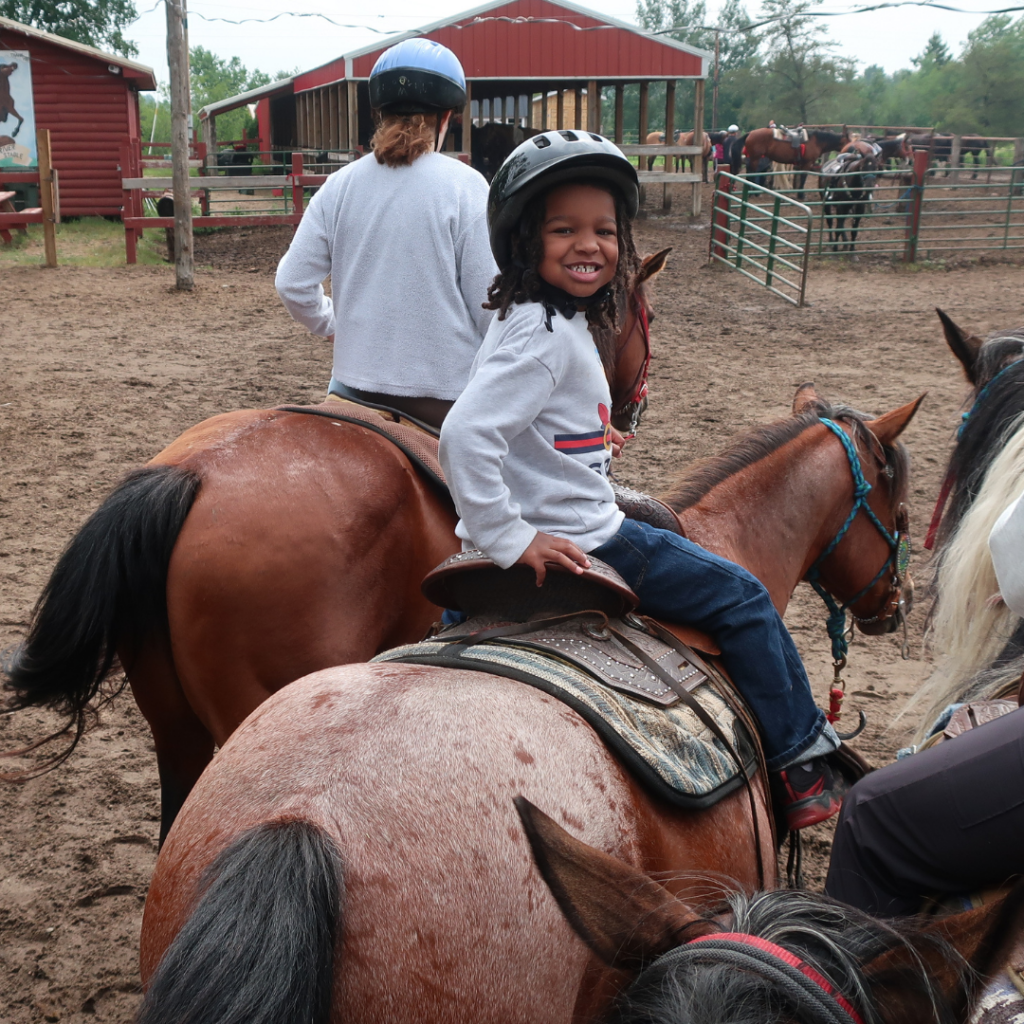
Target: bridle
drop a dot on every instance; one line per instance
(898, 562)
(638, 389)
(801, 984)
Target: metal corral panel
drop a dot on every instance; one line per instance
(492, 46)
(90, 112)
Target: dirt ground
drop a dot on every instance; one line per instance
(103, 367)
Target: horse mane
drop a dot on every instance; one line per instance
(830, 139)
(967, 628)
(835, 940)
(989, 424)
(703, 476)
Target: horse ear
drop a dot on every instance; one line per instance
(960, 954)
(623, 915)
(806, 398)
(652, 266)
(890, 425)
(964, 346)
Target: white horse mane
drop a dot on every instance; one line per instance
(971, 625)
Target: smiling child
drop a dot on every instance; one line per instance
(527, 447)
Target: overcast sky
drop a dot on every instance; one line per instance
(889, 37)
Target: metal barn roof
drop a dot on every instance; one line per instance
(511, 40)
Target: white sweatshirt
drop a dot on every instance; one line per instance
(408, 255)
(526, 446)
(1006, 544)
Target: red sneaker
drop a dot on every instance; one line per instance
(808, 793)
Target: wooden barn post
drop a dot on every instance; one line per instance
(697, 160)
(47, 196)
(177, 62)
(577, 113)
(645, 162)
(353, 115)
(593, 107)
(670, 138)
(619, 90)
(467, 124)
(560, 110)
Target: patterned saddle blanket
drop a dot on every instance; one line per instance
(601, 668)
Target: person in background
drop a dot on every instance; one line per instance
(403, 237)
(947, 820)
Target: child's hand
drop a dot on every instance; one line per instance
(544, 548)
(617, 440)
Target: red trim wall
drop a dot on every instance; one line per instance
(538, 50)
(90, 113)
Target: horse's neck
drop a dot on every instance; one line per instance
(775, 517)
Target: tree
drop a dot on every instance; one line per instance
(989, 80)
(215, 78)
(934, 55)
(98, 23)
(801, 79)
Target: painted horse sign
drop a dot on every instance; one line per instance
(17, 113)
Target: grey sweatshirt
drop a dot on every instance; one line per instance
(407, 252)
(525, 448)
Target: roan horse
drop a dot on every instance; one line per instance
(258, 547)
(761, 142)
(353, 853)
(789, 957)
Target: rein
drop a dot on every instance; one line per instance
(899, 560)
(639, 386)
(797, 980)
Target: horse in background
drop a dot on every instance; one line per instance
(980, 641)
(259, 546)
(774, 144)
(493, 142)
(846, 183)
(786, 956)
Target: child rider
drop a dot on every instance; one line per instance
(527, 446)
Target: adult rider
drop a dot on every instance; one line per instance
(947, 820)
(403, 237)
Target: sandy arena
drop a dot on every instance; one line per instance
(102, 368)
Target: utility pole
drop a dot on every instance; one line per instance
(181, 105)
(714, 90)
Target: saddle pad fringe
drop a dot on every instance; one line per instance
(668, 749)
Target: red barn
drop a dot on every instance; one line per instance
(89, 100)
(541, 63)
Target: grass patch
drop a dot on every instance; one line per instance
(88, 242)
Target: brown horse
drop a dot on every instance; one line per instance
(761, 142)
(258, 547)
(353, 853)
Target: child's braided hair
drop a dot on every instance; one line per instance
(520, 281)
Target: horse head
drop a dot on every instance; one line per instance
(863, 559)
(726, 961)
(982, 358)
(633, 349)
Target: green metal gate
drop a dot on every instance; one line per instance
(765, 235)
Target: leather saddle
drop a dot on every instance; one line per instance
(796, 137)
(587, 619)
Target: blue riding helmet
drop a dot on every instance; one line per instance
(546, 160)
(417, 76)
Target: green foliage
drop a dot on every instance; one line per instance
(215, 78)
(98, 23)
(788, 71)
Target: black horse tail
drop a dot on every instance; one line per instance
(109, 588)
(736, 154)
(259, 946)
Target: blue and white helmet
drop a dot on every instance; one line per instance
(417, 76)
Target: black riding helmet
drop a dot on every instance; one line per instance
(417, 76)
(545, 160)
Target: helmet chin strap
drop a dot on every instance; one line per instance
(443, 123)
(555, 298)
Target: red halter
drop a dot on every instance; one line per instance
(787, 958)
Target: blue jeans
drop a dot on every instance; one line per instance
(678, 580)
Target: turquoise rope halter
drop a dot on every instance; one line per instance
(836, 622)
